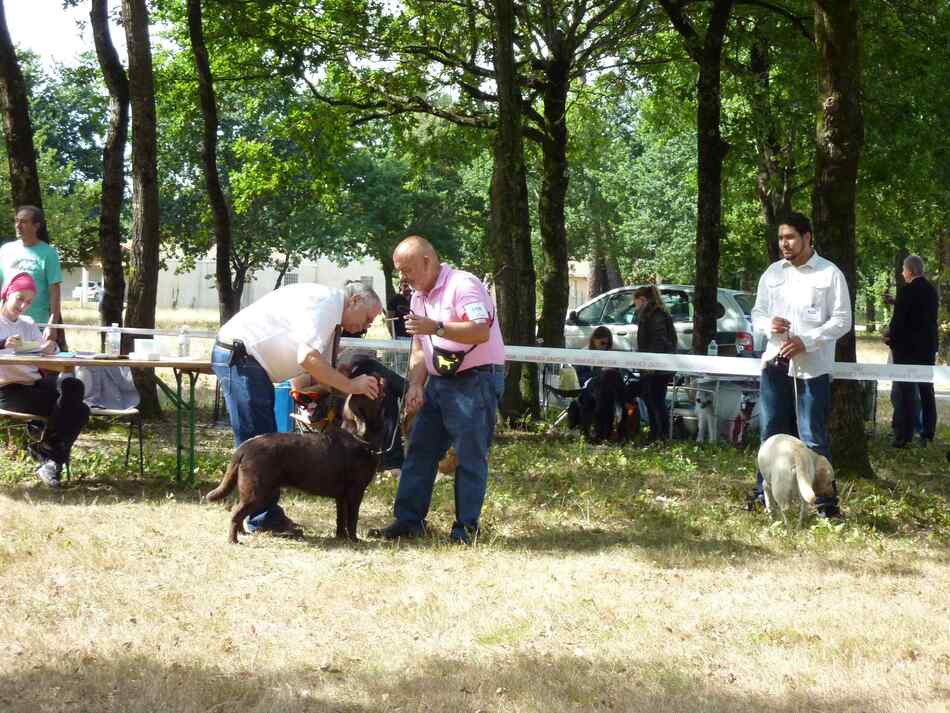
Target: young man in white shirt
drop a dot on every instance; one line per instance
(803, 305)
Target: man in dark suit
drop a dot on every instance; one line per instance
(913, 340)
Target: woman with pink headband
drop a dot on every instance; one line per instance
(24, 388)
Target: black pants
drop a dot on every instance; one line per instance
(654, 387)
(904, 425)
(61, 404)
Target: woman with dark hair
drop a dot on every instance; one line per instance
(656, 335)
(604, 391)
(601, 339)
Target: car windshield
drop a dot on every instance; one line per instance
(746, 302)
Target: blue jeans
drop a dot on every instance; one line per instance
(777, 415)
(249, 395)
(457, 411)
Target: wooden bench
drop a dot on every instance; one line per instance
(24, 418)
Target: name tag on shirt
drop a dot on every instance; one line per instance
(812, 314)
(475, 312)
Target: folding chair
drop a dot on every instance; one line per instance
(135, 422)
(561, 394)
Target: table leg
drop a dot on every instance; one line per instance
(188, 407)
(192, 415)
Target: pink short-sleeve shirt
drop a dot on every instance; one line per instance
(459, 296)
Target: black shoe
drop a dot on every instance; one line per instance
(285, 527)
(899, 444)
(465, 535)
(755, 502)
(830, 513)
(398, 529)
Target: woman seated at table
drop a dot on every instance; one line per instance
(25, 389)
(604, 392)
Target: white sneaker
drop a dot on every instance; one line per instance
(49, 473)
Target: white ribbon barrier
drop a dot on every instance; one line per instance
(138, 331)
(686, 363)
(683, 363)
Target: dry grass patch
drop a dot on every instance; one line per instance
(605, 580)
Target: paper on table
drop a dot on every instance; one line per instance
(27, 348)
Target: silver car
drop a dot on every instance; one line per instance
(746, 300)
(615, 310)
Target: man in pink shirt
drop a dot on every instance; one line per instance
(456, 378)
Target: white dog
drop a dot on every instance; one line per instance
(793, 474)
(705, 418)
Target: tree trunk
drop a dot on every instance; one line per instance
(604, 273)
(17, 129)
(143, 268)
(775, 165)
(389, 274)
(555, 278)
(899, 258)
(943, 289)
(711, 153)
(228, 301)
(870, 309)
(113, 168)
(510, 225)
(840, 137)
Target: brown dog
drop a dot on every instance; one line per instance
(338, 463)
(449, 461)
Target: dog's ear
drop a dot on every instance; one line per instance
(824, 477)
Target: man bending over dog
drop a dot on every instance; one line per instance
(803, 305)
(287, 332)
(455, 381)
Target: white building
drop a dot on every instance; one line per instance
(196, 288)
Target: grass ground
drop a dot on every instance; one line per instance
(606, 579)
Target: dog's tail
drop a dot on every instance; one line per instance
(802, 472)
(227, 482)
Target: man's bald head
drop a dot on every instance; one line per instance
(417, 262)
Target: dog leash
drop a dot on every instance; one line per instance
(794, 369)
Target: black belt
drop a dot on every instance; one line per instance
(219, 343)
(490, 368)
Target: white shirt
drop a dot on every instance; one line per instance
(815, 299)
(26, 330)
(274, 327)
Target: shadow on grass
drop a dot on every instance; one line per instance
(519, 682)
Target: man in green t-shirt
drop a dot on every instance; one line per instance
(40, 260)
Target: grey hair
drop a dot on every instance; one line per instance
(914, 265)
(366, 293)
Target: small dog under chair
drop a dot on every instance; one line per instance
(793, 474)
(706, 427)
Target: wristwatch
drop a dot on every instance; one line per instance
(439, 329)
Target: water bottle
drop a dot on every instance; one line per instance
(184, 346)
(712, 349)
(114, 340)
